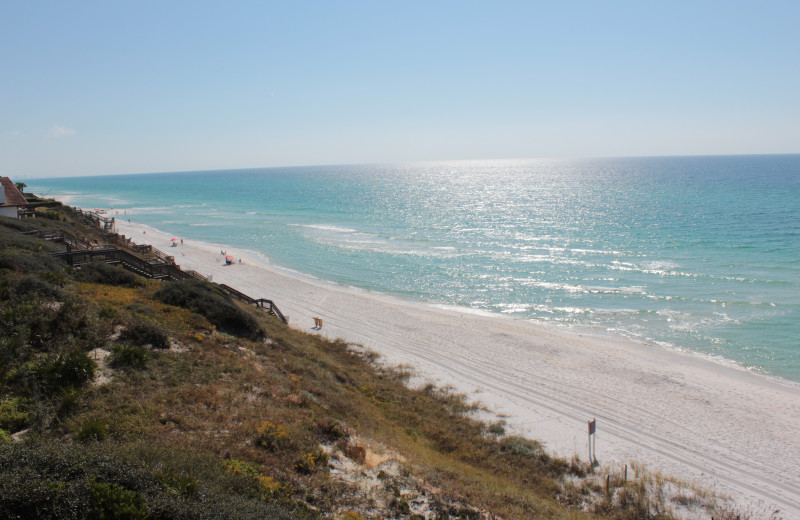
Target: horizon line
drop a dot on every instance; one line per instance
(248, 168)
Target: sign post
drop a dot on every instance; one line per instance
(592, 441)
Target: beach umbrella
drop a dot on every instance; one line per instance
(173, 240)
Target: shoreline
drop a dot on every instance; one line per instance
(725, 428)
(256, 257)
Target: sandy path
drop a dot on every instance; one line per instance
(725, 428)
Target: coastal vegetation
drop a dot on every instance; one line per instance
(122, 397)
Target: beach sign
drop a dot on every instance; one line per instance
(592, 441)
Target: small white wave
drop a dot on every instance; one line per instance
(618, 312)
(597, 252)
(328, 227)
(152, 210)
(564, 310)
(561, 287)
(660, 265)
(690, 322)
(633, 289)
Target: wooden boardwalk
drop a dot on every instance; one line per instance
(159, 267)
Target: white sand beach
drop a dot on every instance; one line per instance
(720, 426)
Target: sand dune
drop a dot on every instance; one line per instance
(723, 427)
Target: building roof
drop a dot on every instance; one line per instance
(13, 196)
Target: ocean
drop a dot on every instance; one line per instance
(700, 254)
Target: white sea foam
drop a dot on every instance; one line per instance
(328, 227)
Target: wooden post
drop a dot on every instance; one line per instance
(592, 448)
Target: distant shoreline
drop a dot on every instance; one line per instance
(681, 414)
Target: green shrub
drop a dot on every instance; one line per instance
(68, 369)
(330, 430)
(44, 356)
(30, 285)
(142, 332)
(12, 238)
(29, 261)
(107, 313)
(101, 272)
(498, 428)
(522, 447)
(311, 461)
(70, 398)
(530, 453)
(12, 227)
(210, 302)
(40, 326)
(114, 501)
(5, 438)
(271, 436)
(129, 356)
(179, 483)
(54, 278)
(92, 429)
(141, 308)
(62, 481)
(14, 414)
(50, 215)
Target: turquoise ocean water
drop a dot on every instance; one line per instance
(693, 253)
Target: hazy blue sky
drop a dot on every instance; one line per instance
(120, 87)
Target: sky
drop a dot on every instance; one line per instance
(98, 88)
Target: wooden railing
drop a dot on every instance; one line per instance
(61, 236)
(162, 271)
(96, 219)
(267, 305)
(113, 255)
(154, 268)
